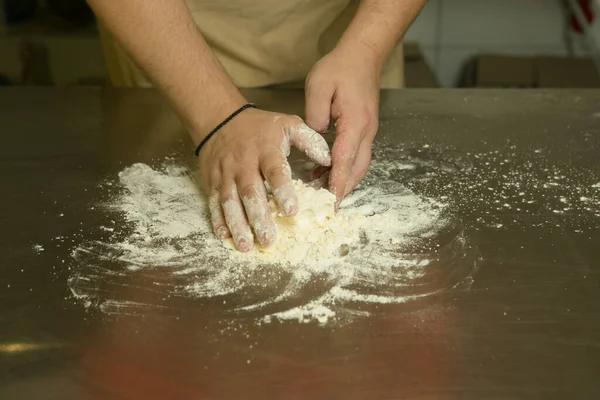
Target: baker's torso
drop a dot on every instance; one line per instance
(269, 42)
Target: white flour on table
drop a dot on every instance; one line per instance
(362, 255)
(503, 187)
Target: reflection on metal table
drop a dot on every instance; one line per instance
(517, 171)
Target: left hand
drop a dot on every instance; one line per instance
(344, 85)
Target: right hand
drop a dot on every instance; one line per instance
(235, 162)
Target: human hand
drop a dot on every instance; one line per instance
(344, 85)
(251, 148)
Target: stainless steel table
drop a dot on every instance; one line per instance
(529, 326)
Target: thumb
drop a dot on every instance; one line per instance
(318, 105)
(310, 142)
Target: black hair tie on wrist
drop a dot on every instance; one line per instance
(222, 124)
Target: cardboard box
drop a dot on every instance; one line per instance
(564, 72)
(417, 73)
(496, 71)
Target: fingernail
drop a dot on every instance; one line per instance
(222, 232)
(267, 240)
(243, 245)
(267, 236)
(289, 208)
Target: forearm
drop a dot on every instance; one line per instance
(380, 24)
(162, 37)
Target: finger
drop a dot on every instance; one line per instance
(254, 198)
(278, 174)
(344, 153)
(212, 180)
(310, 142)
(360, 167)
(235, 217)
(217, 217)
(318, 105)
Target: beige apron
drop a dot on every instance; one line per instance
(261, 42)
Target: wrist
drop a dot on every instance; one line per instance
(363, 50)
(203, 121)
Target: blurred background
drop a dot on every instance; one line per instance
(453, 43)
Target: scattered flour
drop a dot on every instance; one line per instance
(386, 244)
(503, 187)
(381, 247)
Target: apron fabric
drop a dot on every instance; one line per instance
(261, 43)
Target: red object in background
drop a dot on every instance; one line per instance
(586, 8)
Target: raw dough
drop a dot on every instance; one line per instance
(302, 234)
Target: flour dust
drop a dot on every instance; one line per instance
(502, 187)
(385, 246)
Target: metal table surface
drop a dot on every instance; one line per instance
(528, 327)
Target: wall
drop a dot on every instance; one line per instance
(452, 31)
(71, 56)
